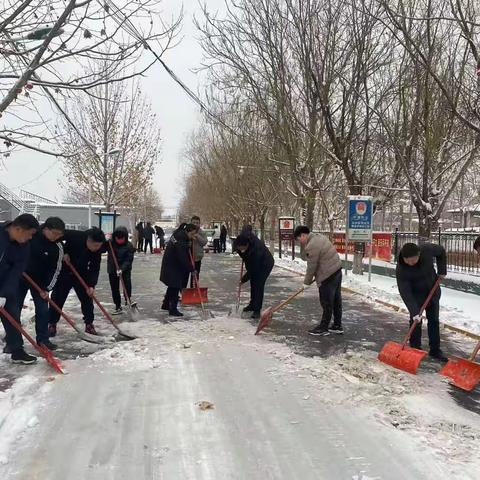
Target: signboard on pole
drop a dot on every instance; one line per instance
(359, 218)
(286, 229)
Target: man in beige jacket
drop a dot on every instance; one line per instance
(324, 267)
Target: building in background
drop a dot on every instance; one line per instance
(75, 216)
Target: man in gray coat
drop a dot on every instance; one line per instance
(324, 267)
(198, 242)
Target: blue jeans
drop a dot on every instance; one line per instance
(41, 310)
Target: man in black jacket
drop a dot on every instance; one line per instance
(160, 237)
(44, 265)
(140, 237)
(84, 250)
(124, 253)
(177, 266)
(14, 250)
(416, 277)
(258, 264)
(148, 234)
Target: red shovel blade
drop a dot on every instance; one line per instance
(265, 319)
(192, 296)
(402, 357)
(464, 374)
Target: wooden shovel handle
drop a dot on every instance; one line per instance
(287, 301)
(424, 307)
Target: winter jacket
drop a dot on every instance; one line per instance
(139, 229)
(148, 232)
(160, 232)
(322, 259)
(45, 261)
(176, 263)
(258, 259)
(223, 233)
(86, 262)
(124, 253)
(415, 282)
(13, 260)
(198, 245)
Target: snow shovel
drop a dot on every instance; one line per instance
(83, 335)
(44, 351)
(399, 355)
(95, 299)
(133, 305)
(195, 295)
(267, 314)
(239, 294)
(465, 374)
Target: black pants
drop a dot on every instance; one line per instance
(433, 312)
(148, 241)
(198, 267)
(216, 245)
(65, 283)
(41, 310)
(171, 298)
(257, 290)
(13, 338)
(223, 244)
(330, 292)
(140, 244)
(115, 286)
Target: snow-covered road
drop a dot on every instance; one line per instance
(131, 411)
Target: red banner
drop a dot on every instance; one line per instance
(382, 245)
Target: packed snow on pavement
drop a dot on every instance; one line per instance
(412, 415)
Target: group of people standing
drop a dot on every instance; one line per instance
(145, 234)
(49, 254)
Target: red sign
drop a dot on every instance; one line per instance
(382, 245)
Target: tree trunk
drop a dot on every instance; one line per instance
(310, 198)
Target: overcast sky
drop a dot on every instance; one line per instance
(177, 115)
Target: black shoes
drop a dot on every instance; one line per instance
(48, 344)
(438, 355)
(175, 313)
(319, 331)
(248, 308)
(7, 349)
(255, 315)
(338, 329)
(22, 357)
(117, 311)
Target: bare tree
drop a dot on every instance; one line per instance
(116, 145)
(43, 49)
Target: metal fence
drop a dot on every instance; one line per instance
(459, 246)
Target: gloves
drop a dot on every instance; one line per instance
(244, 279)
(119, 272)
(417, 319)
(3, 300)
(306, 286)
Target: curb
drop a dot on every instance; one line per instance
(396, 308)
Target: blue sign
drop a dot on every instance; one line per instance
(359, 221)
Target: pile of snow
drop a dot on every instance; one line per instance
(18, 408)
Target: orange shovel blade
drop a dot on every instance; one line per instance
(402, 357)
(265, 319)
(192, 296)
(464, 374)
